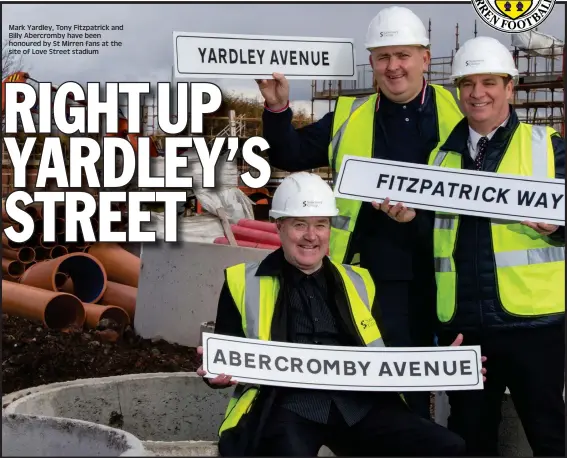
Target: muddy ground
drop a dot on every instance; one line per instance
(33, 355)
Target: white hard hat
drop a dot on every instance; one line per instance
(483, 56)
(396, 26)
(303, 194)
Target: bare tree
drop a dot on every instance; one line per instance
(10, 62)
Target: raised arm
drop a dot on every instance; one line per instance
(292, 149)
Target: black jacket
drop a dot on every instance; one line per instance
(388, 250)
(478, 305)
(243, 439)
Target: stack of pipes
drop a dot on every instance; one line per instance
(253, 234)
(68, 285)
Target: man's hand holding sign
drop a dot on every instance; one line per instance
(398, 212)
(275, 91)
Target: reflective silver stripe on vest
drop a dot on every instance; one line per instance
(444, 222)
(252, 301)
(340, 222)
(376, 343)
(514, 258)
(252, 298)
(359, 285)
(442, 264)
(455, 94)
(336, 140)
(358, 282)
(439, 158)
(539, 151)
(529, 257)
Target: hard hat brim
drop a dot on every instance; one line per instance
(458, 77)
(301, 214)
(385, 43)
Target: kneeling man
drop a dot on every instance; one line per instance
(297, 294)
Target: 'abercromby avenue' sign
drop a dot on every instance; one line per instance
(343, 368)
(209, 55)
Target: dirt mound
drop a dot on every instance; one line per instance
(33, 355)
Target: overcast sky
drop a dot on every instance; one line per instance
(147, 46)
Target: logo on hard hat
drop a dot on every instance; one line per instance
(513, 16)
(389, 34)
(473, 63)
(312, 203)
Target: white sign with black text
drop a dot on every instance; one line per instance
(466, 192)
(343, 368)
(210, 55)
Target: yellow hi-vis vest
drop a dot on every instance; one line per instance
(353, 134)
(255, 297)
(530, 268)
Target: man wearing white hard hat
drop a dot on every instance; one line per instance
(297, 294)
(502, 283)
(406, 120)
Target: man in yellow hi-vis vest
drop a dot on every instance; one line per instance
(502, 283)
(404, 121)
(297, 294)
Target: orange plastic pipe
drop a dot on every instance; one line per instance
(55, 310)
(259, 225)
(38, 208)
(122, 296)
(61, 279)
(41, 254)
(25, 254)
(244, 243)
(60, 210)
(44, 244)
(121, 265)
(96, 312)
(17, 226)
(6, 242)
(12, 268)
(58, 251)
(5, 217)
(33, 241)
(88, 275)
(33, 212)
(60, 226)
(254, 235)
